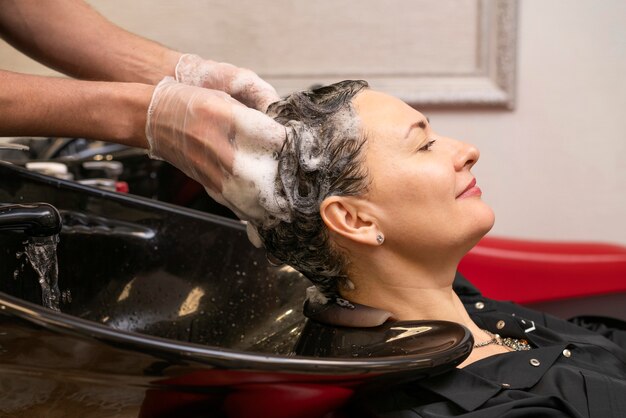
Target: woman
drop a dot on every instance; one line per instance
(378, 211)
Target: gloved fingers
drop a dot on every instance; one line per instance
(240, 83)
(191, 128)
(207, 163)
(252, 90)
(229, 148)
(249, 125)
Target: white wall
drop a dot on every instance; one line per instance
(555, 167)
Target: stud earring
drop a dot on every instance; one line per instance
(380, 239)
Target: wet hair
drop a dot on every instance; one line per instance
(321, 157)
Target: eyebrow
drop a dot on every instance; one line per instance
(421, 124)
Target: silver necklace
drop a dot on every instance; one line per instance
(512, 343)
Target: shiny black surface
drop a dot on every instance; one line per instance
(144, 266)
(35, 220)
(391, 339)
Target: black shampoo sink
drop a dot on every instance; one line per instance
(166, 311)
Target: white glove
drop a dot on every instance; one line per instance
(240, 83)
(227, 147)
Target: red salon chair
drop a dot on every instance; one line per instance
(566, 279)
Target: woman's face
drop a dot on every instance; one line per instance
(422, 192)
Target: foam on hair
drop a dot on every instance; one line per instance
(321, 157)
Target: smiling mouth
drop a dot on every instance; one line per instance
(471, 190)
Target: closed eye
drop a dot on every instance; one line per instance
(427, 146)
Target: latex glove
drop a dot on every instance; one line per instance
(227, 147)
(240, 83)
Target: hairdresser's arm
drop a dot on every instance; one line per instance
(71, 37)
(196, 129)
(49, 106)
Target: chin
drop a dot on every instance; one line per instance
(477, 227)
(482, 224)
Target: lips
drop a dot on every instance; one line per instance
(470, 190)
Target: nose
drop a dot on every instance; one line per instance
(466, 156)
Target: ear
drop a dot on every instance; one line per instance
(351, 218)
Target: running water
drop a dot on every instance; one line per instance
(41, 252)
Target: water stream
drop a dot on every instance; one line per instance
(41, 252)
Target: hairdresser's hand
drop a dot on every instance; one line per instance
(217, 141)
(240, 83)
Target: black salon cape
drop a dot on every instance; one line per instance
(571, 371)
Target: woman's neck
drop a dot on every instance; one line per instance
(410, 291)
